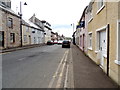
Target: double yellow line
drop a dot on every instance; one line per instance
(59, 72)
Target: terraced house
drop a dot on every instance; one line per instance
(9, 26)
(104, 36)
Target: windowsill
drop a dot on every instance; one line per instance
(89, 32)
(117, 62)
(100, 9)
(96, 51)
(90, 20)
(104, 55)
(90, 48)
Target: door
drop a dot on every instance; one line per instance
(102, 46)
(1, 38)
(29, 39)
(83, 41)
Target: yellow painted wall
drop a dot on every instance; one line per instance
(108, 15)
(27, 34)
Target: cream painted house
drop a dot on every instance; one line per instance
(26, 33)
(31, 33)
(104, 36)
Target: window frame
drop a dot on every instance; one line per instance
(90, 40)
(12, 39)
(10, 22)
(25, 38)
(100, 7)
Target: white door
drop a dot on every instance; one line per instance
(102, 46)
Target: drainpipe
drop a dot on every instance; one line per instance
(108, 47)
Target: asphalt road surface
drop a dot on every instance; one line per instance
(40, 67)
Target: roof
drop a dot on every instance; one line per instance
(30, 24)
(8, 10)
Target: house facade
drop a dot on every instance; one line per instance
(82, 30)
(9, 27)
(26, 33)
(48, 30)
(31, 33)
(103, 36)
(38, 32)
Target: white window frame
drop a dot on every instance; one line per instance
(25, 38)
(27, 29)
(90, 16)
(100, 8)
(90, 45)
(118, 42)
(97, 39)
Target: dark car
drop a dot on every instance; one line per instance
(66, 44)
(49, 42)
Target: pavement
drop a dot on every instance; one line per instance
(87, 74)
(20, 48)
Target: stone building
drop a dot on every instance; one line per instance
(9, 26)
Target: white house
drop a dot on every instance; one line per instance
(48, 30)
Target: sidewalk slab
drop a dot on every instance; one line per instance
(87, 74)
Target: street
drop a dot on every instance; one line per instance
(40, 67)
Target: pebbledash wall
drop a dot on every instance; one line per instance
(104, 30)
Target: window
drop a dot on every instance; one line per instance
(10, 22)
(27, 29)
(80, 41)
(90, 40)
(34, 40)
(100, 4)
(1, 38)
(90, 12)
(12, 37)
(25, 38)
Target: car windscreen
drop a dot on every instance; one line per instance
(65, 42)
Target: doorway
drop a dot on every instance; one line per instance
(1, 38)
(102, 46)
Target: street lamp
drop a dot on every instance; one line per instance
(21, 20)
(73, 27)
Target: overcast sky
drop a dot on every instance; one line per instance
(59, 13)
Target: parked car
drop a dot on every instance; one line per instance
(60, 42)
(49, 42)
(66, 44)
(55, 42)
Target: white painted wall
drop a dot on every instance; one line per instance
(37, 37)
(48, 34)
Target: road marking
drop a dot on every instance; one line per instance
(21, 59)
(66, 77)
(56, 73)
(62, 71)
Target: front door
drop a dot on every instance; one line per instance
(1, 38)
(102, 46)
(29, 39)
